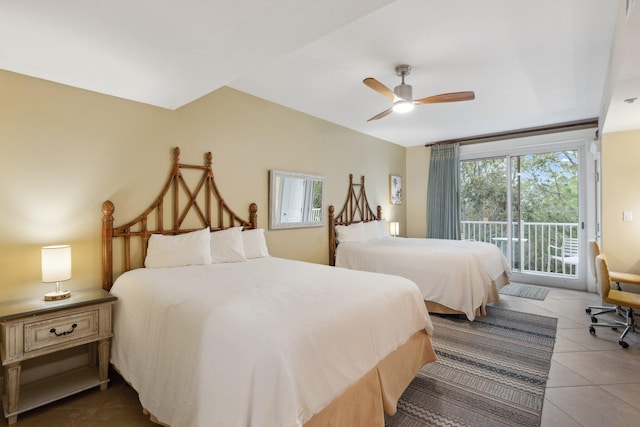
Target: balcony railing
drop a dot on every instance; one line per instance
(316, 214)
(531, 243)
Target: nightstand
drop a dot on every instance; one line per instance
(33, 327)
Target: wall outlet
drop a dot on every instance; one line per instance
(627, 216)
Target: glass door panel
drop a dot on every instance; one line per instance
(483, 200)
(545, 189)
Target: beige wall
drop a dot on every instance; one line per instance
(621, 192)
(66, 150)
(418, 176)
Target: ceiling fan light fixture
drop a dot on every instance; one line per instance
(402, 106)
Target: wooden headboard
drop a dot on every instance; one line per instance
(355, 209)
(194, 201)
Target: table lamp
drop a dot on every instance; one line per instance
(56, 267)
(394, 228)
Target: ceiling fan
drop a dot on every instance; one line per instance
(402, 97)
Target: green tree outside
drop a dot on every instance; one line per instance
(548, 188)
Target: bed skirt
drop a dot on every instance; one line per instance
(494, 295)
(364, 403)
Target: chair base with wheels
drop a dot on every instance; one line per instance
(627, 301)
(629, 324)
(603, 309)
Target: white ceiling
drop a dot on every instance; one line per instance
(529, 62)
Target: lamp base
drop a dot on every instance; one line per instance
(57, 295)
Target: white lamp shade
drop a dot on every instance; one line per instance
(56, 263)
(394, 228)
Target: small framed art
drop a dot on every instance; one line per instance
(395, 189)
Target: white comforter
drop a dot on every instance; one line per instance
(267, 342)
(458, 274)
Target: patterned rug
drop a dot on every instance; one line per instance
(525, 291)
(490, 372)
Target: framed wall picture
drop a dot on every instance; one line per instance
(395, 189)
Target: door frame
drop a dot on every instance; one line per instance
(574, 140)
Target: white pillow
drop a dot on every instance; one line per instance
(227, 246)
(371, 230)
(350, 233)
(255, 246)
(175, 251)
(383, 228)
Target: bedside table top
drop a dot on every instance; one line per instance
(31, 306)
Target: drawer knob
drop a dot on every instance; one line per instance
(73, 327)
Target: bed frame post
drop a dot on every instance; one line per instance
(107, 244)
(253, 215)
(175, 180)
(332, 237)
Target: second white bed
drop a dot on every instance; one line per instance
(461, 275)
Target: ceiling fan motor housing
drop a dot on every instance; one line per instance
(403, 91)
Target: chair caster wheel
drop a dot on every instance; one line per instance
(594, 319)
(623, 344)
(588, 310)
(592, 330)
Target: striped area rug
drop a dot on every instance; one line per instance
(489, 372)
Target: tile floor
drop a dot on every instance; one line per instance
(592, 382)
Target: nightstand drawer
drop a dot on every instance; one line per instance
(61, 329)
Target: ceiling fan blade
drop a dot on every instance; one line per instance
(446, 97)
(379, 87)
(381, 115)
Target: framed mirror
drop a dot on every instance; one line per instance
(296, 200)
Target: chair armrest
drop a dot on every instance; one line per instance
(556, 249)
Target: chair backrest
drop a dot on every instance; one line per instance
(602, 268)
(594, 251)
(570, 246)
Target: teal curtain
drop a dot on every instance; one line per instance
(443, 213)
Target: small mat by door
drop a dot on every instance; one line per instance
(525, 291)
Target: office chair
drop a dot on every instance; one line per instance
(615, 276)
(627, 301)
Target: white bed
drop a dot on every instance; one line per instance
(454, 276)
(265, 342)
(461, 275)
(212, 331)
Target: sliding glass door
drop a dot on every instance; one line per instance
(528, 204)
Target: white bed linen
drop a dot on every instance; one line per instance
(266, 342)
(455, 273)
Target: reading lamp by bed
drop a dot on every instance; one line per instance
(56, 267)
(394, 228)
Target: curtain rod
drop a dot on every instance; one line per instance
(519, 133)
